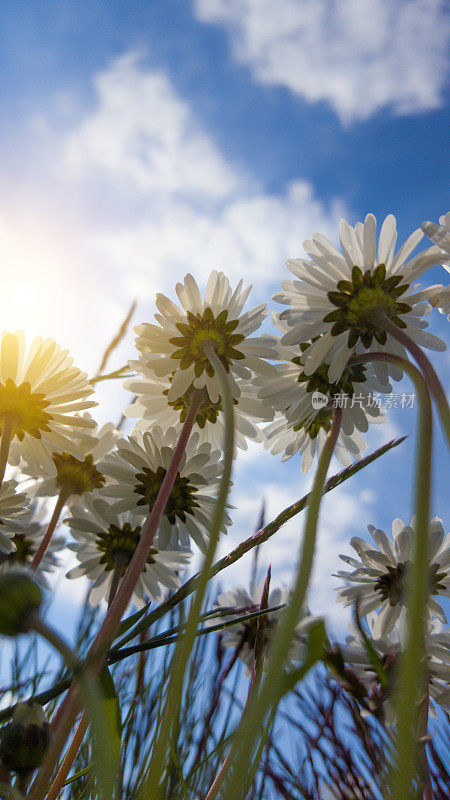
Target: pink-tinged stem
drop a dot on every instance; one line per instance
(119, 604)
(42, 549)
(69, 758)
(433, 383)
(137, 563)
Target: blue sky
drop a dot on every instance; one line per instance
(142, 140)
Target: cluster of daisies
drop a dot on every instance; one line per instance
(285, 386)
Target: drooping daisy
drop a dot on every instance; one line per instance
(39, 394)
(175, 348)
(282, 437)
(28, 531)
(306, 404)
(377, 580)
(13, 505)
(440, 235)
(441, 301)
(76, 476)
(138, 468)
(243, 634)
(388, 647)
(105, 542)
(152, 406)
(341, 297)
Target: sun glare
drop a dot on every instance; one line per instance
(44, 291)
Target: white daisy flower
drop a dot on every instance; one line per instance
(388, 647)
(174, 348)
(28, 531)
(138, 468)
(337, 296)
(243, 634)
(440, 234)
(441, 300)
(39, 394)
(12, 505)
(152, 406)
(106, 542)
(306, 404)
(377, 579)
(75, 476)
(282, 437)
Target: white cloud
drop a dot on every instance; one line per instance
(248, 237)
(180, 205)
(357, 55)
(143, 134)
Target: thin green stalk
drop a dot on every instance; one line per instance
(56, 641)
(432, 380)
(412, 662)
(151, 789)
(252, 689)
(119, 562)
(252, 722)
(7, 436)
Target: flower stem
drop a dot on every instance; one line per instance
(137, 563)
(69, 758)
(7, 435)
(152, 788)
(123, 596)
(119, 562)
(428, 371)
(423, 738)
(92, 696)
(253, 687)
(411, 672)
(42, 549)
(53, 638)
(270, 692)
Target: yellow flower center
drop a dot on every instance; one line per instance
(24, 409)
(77, 477)
(360, 301)
(198, 330)
(119, 543)
(181, 499)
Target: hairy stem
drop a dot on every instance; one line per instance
(433, 383)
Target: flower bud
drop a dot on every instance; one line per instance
(20, 600)
(24, 741)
